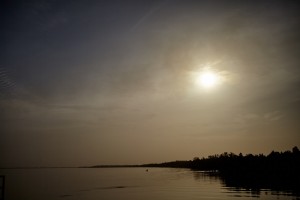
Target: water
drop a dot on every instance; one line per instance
(123, 183)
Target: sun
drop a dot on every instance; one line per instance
(207, 79)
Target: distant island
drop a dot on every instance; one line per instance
(277, 170)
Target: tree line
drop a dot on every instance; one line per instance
(277, 170)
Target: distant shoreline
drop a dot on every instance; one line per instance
(223, 162)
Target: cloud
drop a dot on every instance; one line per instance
(152, 11)
(7, 85)
(273, 116)
(248, 120)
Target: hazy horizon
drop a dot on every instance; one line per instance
(119, 82)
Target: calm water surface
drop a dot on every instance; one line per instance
(123, 183)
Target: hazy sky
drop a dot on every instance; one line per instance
(113, 82)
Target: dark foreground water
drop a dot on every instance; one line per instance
(124, 183)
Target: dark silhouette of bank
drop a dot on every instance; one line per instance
(279, 171)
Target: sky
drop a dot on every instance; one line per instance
(115, 82)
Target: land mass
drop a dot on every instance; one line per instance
(277, 170)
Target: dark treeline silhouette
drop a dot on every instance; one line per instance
(277, 171)
(286, 162)
(173, 164)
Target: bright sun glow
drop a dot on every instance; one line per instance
(207, 79)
